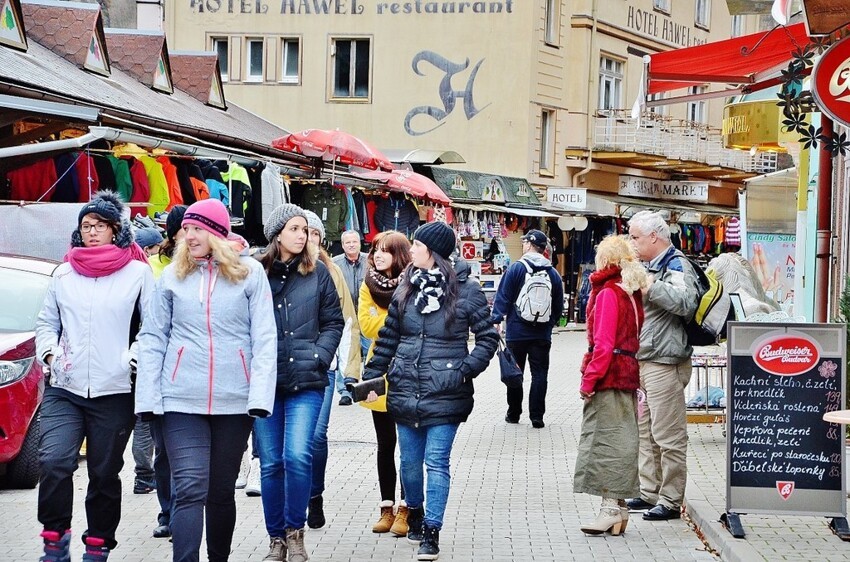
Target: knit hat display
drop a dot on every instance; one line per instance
(537, 238)
(438, 237)
(279, 217)
(313, 221)
(174, 220)
(147, 237)
(209, 214)
(106, 204)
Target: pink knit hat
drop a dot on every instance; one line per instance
(209, 214)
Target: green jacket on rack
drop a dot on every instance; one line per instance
(331, 206)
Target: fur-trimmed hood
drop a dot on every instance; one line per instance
(124, 236)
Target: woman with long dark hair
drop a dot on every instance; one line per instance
(387, 259)
(309, 328)
(86, 335)
(422, 348)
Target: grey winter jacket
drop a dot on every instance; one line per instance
(668, 303)
(208, 346)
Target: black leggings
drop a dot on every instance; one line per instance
(385, 432)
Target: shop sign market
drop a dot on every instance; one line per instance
(695, 191)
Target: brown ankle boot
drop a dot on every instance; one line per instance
(387, 519)
(399, 527)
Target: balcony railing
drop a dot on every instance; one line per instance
(674, 139)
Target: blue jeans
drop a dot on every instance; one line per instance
(431, 446)
(162, 470)
(143, 447)
(285, 440)
(320, 439)
(204, 463)
(365, 344)
(340, 383)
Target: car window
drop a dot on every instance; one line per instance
(21, 299)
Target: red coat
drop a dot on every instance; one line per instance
(614, 319)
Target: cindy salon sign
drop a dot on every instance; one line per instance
(831, 82)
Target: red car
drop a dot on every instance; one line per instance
(24, 281)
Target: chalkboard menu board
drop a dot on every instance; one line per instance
(781, 455)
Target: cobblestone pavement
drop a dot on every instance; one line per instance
(511, 496)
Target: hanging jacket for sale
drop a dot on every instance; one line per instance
(105, 174)
(236, 177)
(331, 206)
(187, 191)
(397, 213)
(215, 183)
(31, 182)
(141, 187)
(175, 196)
(123, 181)
(67, 185)
(88, 177)
(158, 198)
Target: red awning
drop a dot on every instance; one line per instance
(725, 61)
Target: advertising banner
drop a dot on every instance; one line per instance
(772, 256)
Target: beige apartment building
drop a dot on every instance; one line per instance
(538, 89)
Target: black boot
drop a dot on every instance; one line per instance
(315, 513)
(429, 548)
(415, 515)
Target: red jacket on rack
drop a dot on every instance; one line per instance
(32, 181)
(613, 335)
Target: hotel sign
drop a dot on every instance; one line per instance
(570, 197)
(694, 191)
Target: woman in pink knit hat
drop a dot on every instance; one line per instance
(207, 366)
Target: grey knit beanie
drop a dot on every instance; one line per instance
(279, 217)
(313, 221)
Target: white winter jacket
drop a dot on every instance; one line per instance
(85, 324)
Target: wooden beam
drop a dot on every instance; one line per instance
(34, 135)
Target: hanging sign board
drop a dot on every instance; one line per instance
(569, 197)
(633, 186)
(781, 456)
(831, 82)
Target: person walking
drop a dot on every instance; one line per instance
(309, 328)
(665, 368)
(161, 467)
(346, 361)
(353, 264)
(86, 336)
(530, 300)
(422, 348)
(607, 459)
(387, 259)
(206, 366)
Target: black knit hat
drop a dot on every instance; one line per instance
(174, 220)
(438, 237)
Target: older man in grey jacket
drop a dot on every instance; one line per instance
(665, 368)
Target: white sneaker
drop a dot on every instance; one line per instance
(253, 487)
(244, 469)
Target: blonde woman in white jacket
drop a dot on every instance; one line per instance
(86, 334)
(207, 364)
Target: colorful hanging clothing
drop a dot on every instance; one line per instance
(34, 181)
(67, 189)
(141, 188)
(158, 198)
(271, 185)
(87, 177)
(330, 205)
(236, 177)
(175, 196)
(733, 232)
(105, 174)
(123, 180)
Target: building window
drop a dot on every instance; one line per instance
(697, 110)
(255, 61)
(547, 140)
(657, 109)
(703, 14)
(290, 61)
(661, 5)
(219, 45)
(553, 22)
(737, 26)
(610, 83)
(350, 68)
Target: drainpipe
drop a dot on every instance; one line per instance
(823, 255)
(591, 79)
(49, 146)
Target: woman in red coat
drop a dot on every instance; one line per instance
(607, 462)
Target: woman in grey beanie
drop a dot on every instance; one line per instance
(309, 328)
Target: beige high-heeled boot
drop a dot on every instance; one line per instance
(624, 513)
(608, 520)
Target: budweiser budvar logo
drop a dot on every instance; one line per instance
(787, 355)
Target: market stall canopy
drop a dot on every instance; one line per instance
(505, 194)
(424, 156)
(334, 146)
(751, 61)
(409, 182)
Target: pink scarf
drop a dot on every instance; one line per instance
(101, 261)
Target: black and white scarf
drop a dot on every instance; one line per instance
(429, 284)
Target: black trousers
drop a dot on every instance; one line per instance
(386, 436)
(105, 423)
(537, 353)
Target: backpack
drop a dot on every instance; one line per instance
(534, 302)
(714, 307)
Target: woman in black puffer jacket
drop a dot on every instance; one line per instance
(309, 328)
(423, 349)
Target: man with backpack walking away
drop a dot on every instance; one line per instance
(530, 299)
(664, 357)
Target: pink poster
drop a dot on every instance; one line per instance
(772, 256)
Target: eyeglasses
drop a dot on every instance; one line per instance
(98, 227)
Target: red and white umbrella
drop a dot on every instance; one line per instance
(334, 146)
(410, 183)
